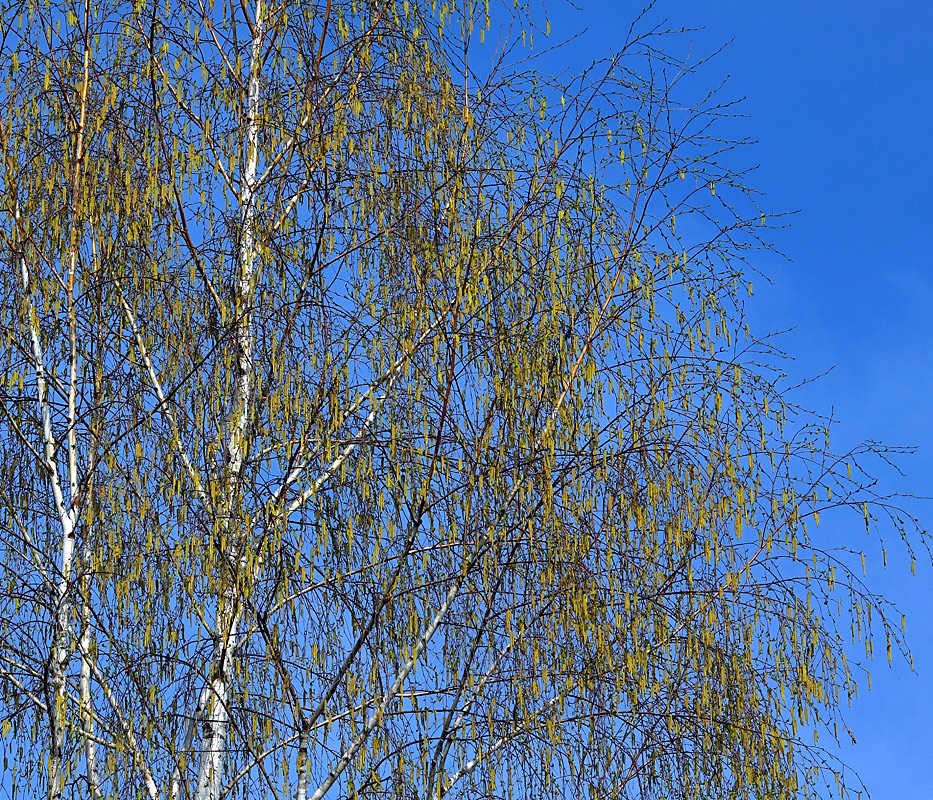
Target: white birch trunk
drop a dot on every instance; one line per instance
(215, 720)
(66, 517)
(87, 707)
(67, 513)
(303, 765)
(60, 654)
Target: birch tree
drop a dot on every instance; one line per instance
(379, 419)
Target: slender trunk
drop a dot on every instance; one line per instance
(215, 720)
(66, 517)
(303, 764)
(60, 653)
(87, 708)
(217, 716)
(67, 514)
(84, 646)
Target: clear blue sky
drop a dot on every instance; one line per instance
(838, 97)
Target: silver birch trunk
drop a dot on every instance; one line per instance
(87, 708)
(66, 517)
(215, 720)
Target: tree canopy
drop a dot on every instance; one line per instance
(380, 419)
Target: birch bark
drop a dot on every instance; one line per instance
(66, 517)
(216, 717)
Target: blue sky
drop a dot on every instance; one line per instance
(838, 99)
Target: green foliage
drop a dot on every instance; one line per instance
(401, 434)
